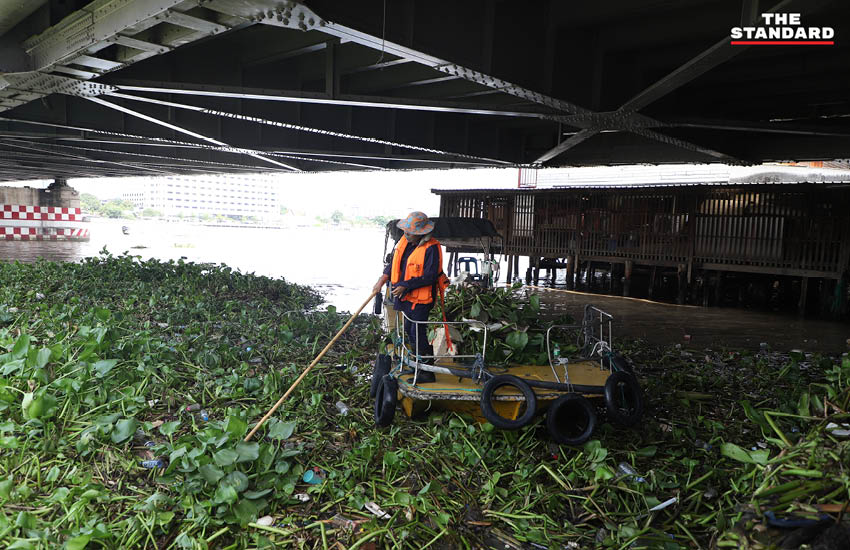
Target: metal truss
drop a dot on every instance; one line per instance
(300, 128)
(64, 59)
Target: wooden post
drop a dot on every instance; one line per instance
(705, 286)
(516, 266)
(804, 289)
(536, 270)
(718, 288)
(570, 277)
(529, 271)
(611, 278)
(510, 269)
(627, 282)
(651, 289)
(590, 275)
(681, 284)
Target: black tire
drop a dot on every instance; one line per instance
(623, 399)
(487, 402)
(571, 419)
(386, 398)
(619, 362)
(383, 363)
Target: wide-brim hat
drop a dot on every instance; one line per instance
(416, 223)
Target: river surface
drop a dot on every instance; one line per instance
(344, 263)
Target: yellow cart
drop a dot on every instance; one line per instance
(509, 396)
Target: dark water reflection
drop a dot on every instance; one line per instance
(661, 323)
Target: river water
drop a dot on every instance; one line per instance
(344, 263)
(341, 263)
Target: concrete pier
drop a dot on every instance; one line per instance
(30, 214)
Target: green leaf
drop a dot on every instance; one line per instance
(603, 472)
(42, 358)
(736, 453)
(225, 494)
(210, 473)
(21, 347)
(38, 406)
(760, 457)
(390, 458)
(647, 451)
(103, 367)
(237, 480)
(248, 452)
(124, 430)
(517, 340)
(78, 543)
(168, 428)
(803, 405)
(475, 310)
(282, 430)
(236, 426)
(6, 487)
(245, 511)
(225, 457)
(534, 303)
(256, 494)
(20, 544)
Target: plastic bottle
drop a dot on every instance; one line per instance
(625, 469)
(204, 415)
(150, 464)
(192, 407)
(556, 353)
(379, 304)
(342, 408)
(313, 476)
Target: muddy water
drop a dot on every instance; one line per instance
(699, 327)
(344, 264)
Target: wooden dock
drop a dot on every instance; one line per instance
(770, 238)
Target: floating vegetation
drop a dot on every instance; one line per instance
(127, 386)
(516, 331)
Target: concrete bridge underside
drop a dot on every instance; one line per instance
(157, 87)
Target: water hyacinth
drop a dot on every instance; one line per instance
(120, 353)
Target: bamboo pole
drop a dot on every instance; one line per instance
(303, 374)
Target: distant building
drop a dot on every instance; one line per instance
(225, 195)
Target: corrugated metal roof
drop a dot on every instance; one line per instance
(842, 183)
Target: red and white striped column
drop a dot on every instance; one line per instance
(20, 222)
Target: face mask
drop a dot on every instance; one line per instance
(412, 239)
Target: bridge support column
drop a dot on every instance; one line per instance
(510, 272)
(627, 278)
(516, 266)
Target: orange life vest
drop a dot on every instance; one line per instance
(415, 268)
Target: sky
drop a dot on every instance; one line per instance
(395, 193)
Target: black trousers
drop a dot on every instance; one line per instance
(417, 335)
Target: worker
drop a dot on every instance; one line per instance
(413, 273)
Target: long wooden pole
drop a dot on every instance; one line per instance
(313, 364)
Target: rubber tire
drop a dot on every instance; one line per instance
(566, 404)
(633, 394)
(383, 363)
(487, 406)
(620, 363)
(386, 398)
